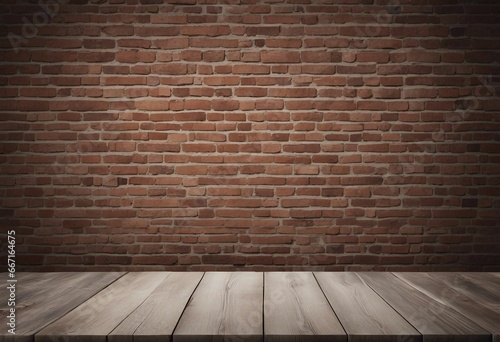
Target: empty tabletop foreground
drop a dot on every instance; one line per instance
(254, 306)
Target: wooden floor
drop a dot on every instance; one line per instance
(252, 306)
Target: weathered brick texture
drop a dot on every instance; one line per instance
(251, 134)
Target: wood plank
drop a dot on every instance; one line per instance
(100, 315)
(226, 306)
(295, 309)
(37, 286)
(42, 298)
(26, 275)
(155, 319)
(483, 276)
(363, 314)
(434, 320)
(488, 282)
(26, 278)
(482, 315)
(31, 289)
(482, 291)
(32, 283)
(486, 279)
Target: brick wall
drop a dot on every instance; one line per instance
(247, 134)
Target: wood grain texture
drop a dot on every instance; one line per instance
(295, 309)
(226, 306)
(296, 306)
(155, 319)
(433, 319)
(481, 290)
(42, 298)
(482, 315)
(363, 314)
(32, 284)
(100, 315)
(483, 276)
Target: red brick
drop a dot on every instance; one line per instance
(154, 260)
(222, 80)
(198, 148)
(226, 105)
(251, 69)
(283, 43)
(88, 105)
(153, 105)
(279, 56)
(158, 147)
(292, 92)
(263, 30)
(224, 259)
(119, 30)
(54, 56)
(153, 31)
(213, 43)
(298, 213)
(250, 92)
(191, 169)
(190, 116)
(210, 31)
(306, 170)
(315, 56)
(134, 43)
(279, 170)
(272, 240)
(214, 56)
(135, 57)
(386, 93)
(38, 92)
(96, 57)
(170, 69)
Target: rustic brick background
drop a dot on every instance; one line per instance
(248, 134)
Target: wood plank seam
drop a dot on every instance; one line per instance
(330, 304)
(145, 299)
(298, 306)
(434, 319)
(365, 314)
(466, 285)
(76, 307)
(473, 310)
(53, 320)
(263, 305)
(97, 317)
(155, 319)
(185, 307)
(378, 294)
(225, 304)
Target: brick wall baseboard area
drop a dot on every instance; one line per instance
(320, 135)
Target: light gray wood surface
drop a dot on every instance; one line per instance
(484, 290)
(295, 309)
(254, 306)
(96, 318)
(363, 314)
(155, 319)
(32, 284)
(483, 276)
(433, 319)
(226, 306)
(41, 298)
(482, 315)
